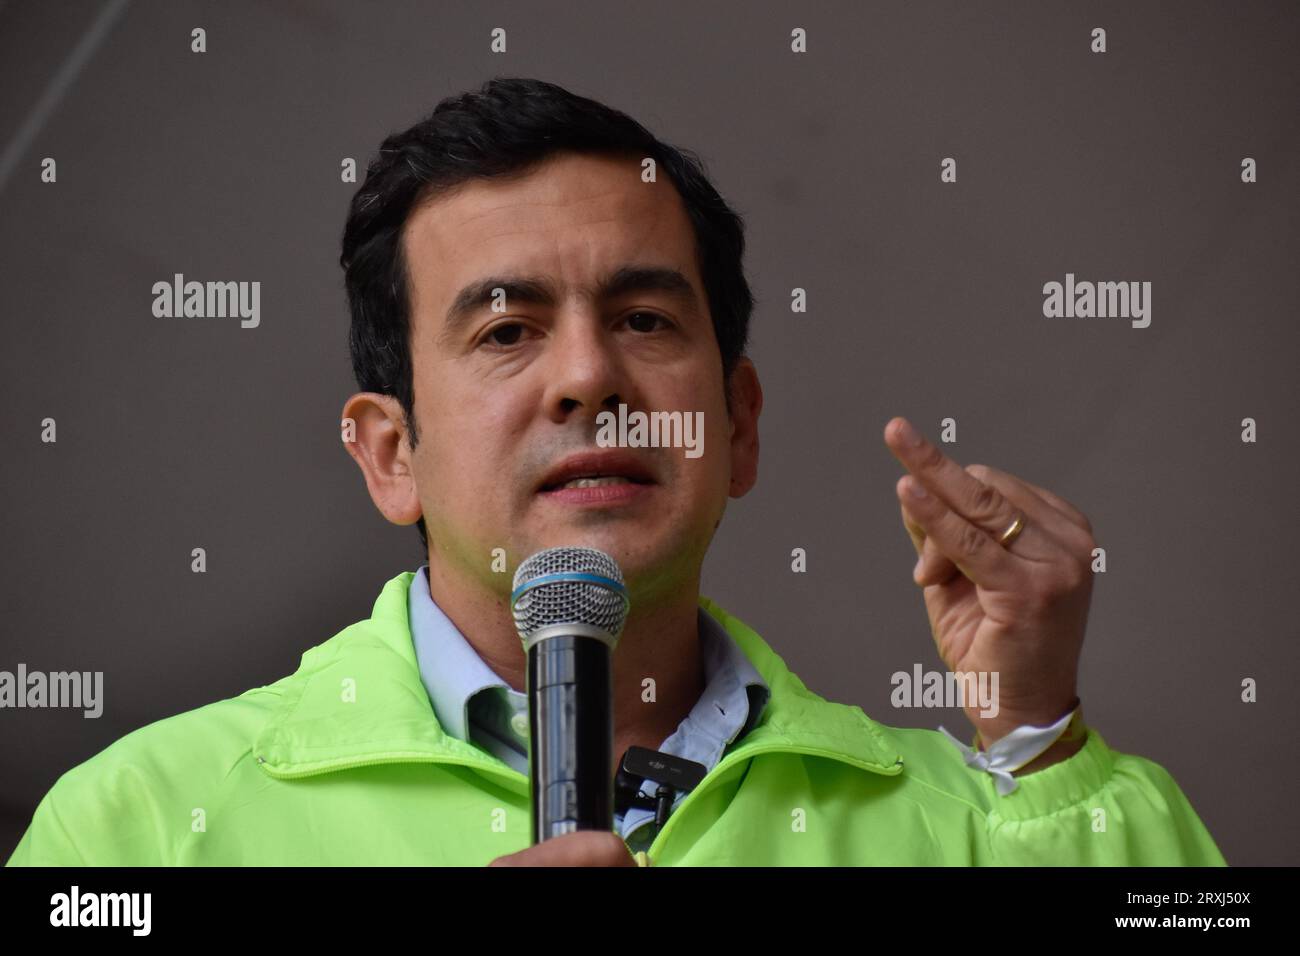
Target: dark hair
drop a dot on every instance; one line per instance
(506, 127)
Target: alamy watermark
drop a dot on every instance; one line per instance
(651, 429)
(208, 300)
(953, 689)
(55, 689)
(1100, 300)
(75, 908)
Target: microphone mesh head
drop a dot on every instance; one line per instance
(569, 586)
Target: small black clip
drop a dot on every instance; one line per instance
(673, 774)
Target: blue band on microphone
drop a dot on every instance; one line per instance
(569, 577)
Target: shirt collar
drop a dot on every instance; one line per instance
(453, 673)
(451, 670)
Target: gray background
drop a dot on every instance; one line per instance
(925, 300)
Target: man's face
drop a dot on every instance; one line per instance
(504, 397)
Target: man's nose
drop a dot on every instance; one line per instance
(586, 373)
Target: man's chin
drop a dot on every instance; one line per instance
(624, 546)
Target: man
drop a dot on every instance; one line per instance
(519, 264)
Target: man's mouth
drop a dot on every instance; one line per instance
(597, 468)
(597, 491)
(595, 481)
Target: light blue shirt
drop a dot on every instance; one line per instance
(473, 703)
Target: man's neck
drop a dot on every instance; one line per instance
(659, 643)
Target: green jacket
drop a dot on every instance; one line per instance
(344, 763)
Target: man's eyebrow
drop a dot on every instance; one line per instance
(649, 279)
(540, 290)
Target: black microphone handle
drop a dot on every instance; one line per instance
(571, 730)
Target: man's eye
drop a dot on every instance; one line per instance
(638, 319)
(511, 332)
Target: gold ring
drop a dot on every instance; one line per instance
(1012, 532)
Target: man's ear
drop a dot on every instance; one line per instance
(746, 404)
(374, 434)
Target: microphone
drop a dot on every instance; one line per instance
(569, 606)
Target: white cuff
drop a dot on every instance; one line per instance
(1012, 751)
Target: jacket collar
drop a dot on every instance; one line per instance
(358, 699)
